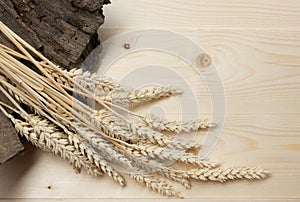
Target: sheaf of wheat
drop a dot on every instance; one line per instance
(49, 108)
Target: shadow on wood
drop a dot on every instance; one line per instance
(12, 172)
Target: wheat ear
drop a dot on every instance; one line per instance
(224, 174)
(165, 153)
(91, 81)
(156, 184)
(162, 124)
(115, 127)
(138, 96)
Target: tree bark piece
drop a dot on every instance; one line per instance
(65, 31)
(10, 144)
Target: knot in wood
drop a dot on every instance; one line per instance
(203, 60)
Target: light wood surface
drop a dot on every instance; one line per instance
(204, 13)
(255, 46)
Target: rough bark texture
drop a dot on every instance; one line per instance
(65, 31)
(10, 144)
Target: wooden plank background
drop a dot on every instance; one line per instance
(255, 46)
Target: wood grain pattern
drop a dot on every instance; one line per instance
(256, 49)
(259, 68)
(204, 14)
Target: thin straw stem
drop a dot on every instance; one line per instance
(14, 39)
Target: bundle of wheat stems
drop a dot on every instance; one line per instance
(101, 141)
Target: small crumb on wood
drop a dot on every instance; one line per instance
(127, 46)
